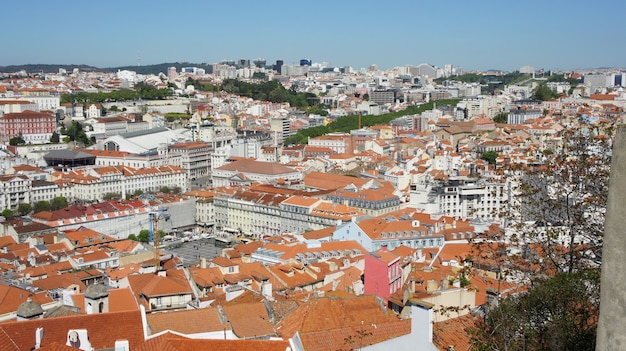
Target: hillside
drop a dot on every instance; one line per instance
(147, 69)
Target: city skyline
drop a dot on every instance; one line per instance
(473, 36)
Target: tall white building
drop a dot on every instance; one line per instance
(461, 197)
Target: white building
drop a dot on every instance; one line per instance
(460, 197)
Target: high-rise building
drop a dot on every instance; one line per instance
(260, 62)
(171, 73)
(279, 65)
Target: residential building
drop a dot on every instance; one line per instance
(205, 208)
(94, 183)
(195, 158)
(301, 214)
(17, 106)
(383, 273)
(339, 143)
(33, 127)
(390, 232)
(105, 127)
(15, 189)
(252, 214)
(168, 290)
(461, 196)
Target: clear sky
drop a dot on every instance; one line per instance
(473, 35)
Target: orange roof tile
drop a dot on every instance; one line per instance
(201, 320)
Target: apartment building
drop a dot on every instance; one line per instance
(14, 190)
(339, 143)
(93, 183)
(33, 127)
(195, 158)
(460, 196)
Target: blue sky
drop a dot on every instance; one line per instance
(473, 35)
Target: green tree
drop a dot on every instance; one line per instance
(7, 213)
(110, 196)
(24, 208)
(137, 192)
(559, 313)
(133, 237)
(144, 235)
(18, 140)
(41, 206)
(55, 138)
(554, 227)
(543, 92)
(501, 118)
(58, 203)
(489, 156)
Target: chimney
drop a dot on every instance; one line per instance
(38, 337)
(203, 262)
(412, 285)
(122, 345)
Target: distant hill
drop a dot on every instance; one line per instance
(158, 68)
(39, 68)
(147, 69)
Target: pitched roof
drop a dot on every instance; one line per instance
(201, 320)
(258, 167)
(172, 342)
(249, 320)
(103, 330)
(326, 323)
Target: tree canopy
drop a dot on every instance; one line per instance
(272, 91)
(502, 117)
(489, 156)
(543, 92)
(348, 123)
(559, 313)
(141, 91)
(58, 203)
(552, 241)
(76, 133)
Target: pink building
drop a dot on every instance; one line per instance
(383, 273)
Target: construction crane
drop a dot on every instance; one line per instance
(155, 236)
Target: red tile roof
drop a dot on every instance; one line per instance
(326, 323)
(201, 320)
(103, 330)
(249, 320)
(171, 342)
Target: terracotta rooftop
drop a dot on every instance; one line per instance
(187, 321)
